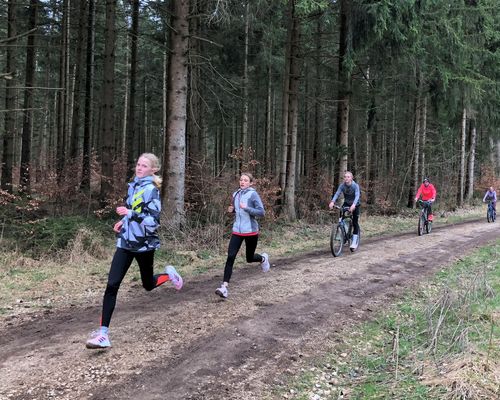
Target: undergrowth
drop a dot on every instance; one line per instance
(441, 342)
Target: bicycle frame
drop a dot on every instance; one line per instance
(490, 213)
(344, 227)
(423, 218)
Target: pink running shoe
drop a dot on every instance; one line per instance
(174, 277)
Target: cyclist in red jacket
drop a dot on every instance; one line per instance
(428, 193)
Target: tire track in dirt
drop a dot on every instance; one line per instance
(190, 345)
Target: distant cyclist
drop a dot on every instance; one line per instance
(352, 195)
(491, 195)
(428, 193)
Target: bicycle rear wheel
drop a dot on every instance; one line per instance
(421, 225)
(337, 238)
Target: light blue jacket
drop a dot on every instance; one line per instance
(246, 219)
(140, 225)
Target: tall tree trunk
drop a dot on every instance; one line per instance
(62, 94)
(164, 95)
(89, 97)
(126, 89)
(370, 141)
(108, 104)
(416, 142)
(268, 158)
(472, 159)
(75, 119)
(131, 137)
(10, 99)
(461, 177)
(143, 136)
(25, 175)
(497, 166)
(423, 139)
(317, 128)
(244, 127)
(394, 141)
(290, 212)
(175, 146)
(196, 127)
(344, 89)
(285, 101)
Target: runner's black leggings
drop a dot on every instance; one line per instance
(119, 267)
(234, 246)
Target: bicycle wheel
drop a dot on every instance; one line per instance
(489, 217)
(428, 226)
(421, 225)
(337, 238)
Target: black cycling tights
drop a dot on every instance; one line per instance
(119, 267)
(232, 251)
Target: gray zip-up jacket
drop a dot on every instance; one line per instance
(140, 225)
(245, 222)
(351, 193)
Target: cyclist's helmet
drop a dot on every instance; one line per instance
(426, 180)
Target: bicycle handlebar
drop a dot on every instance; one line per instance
(424, 202)
(344, 209)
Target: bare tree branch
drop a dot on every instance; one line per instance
(11, 39)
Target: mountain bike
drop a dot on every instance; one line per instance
(342, 232)
(491, 215)
(424, 225)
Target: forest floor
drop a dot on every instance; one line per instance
(193, 345)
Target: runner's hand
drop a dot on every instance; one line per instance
(118, 226)
(122, 210)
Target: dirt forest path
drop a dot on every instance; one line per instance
(194, 345)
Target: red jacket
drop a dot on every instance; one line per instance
(427, 192)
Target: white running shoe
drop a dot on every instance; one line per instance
(174, 276)
(222, 291)
(98, 340)
(265, 262)
(354, 241)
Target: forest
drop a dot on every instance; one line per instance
(294, 91)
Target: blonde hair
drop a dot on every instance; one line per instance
(155, 164)
(250, 176)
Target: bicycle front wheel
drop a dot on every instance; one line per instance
(489, 216)
(421, 225)
(337, 238)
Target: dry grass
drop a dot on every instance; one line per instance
(467, 376)
(78, 274)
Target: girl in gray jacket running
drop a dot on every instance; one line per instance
(246, 206)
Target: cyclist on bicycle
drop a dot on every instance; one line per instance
(352, 194)
(428, 193)
(491, 195)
